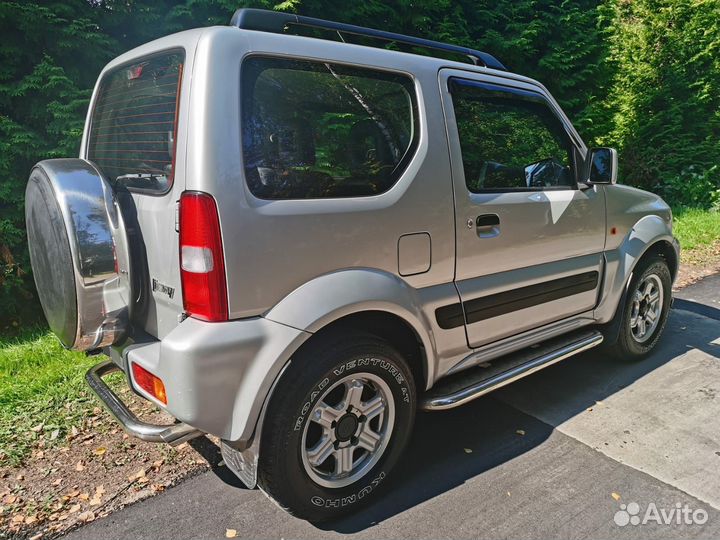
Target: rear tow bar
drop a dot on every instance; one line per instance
(173, 434)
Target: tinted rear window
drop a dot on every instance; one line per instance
(133, 126)
(314, 130)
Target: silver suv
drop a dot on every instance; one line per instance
(293, 241)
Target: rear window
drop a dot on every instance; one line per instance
(318, 130)
(133, 125)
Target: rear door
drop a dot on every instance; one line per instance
(132, 138)
(529, 241)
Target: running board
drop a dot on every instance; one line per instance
(465, 386)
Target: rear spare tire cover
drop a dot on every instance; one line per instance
(79, 253)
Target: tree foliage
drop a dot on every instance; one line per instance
(665, 95)
(641, 75)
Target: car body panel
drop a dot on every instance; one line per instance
(328, 298)
(216, 375)
(291, 242)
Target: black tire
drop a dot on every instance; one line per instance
(627, 347)
(315, 370)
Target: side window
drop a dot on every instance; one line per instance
(510, 141)
(318, 130)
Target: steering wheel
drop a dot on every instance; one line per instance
(544, 173)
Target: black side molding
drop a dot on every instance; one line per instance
(450, 316)
(494, 305)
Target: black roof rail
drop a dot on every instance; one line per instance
(277, 22)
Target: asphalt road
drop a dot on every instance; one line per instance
(593, 427)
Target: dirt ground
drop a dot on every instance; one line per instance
(698, 263)
(100, 469)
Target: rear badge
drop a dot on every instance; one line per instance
(162, 288)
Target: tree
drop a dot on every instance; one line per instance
(666, 90)
(47, 60)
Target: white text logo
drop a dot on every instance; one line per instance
(631, 514)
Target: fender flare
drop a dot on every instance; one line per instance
(621, 262)
(332, 296)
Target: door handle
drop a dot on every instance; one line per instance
(487, 225)
(487, 220)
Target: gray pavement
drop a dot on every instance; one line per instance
(648, 432)
(702, 297)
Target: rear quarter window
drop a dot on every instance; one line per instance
(134, 123)
(319, 130)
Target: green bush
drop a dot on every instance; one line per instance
(693, 189)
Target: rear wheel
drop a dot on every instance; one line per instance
(645, 311)
(339, 419)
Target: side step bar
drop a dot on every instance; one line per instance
(173, 434)
(476, 382)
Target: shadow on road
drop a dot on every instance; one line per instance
(701, 309)
(438, 460)
(448, 448)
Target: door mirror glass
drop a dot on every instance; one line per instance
(603, 165)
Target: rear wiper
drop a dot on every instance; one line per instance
(132, 178)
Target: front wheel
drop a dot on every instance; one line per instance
(338, 421)
(645, 311)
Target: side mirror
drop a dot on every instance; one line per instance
(603, 165)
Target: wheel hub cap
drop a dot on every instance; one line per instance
(346, 427)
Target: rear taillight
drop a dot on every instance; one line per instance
(150, 383)
(202, 265)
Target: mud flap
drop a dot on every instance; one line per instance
(242, 462)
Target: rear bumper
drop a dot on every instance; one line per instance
(217, 376)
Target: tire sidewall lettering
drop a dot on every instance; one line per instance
(314, 393)
(310, 375)
(340, 502)
(355, 364)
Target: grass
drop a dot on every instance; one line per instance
(42, 392)
(695, 228)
